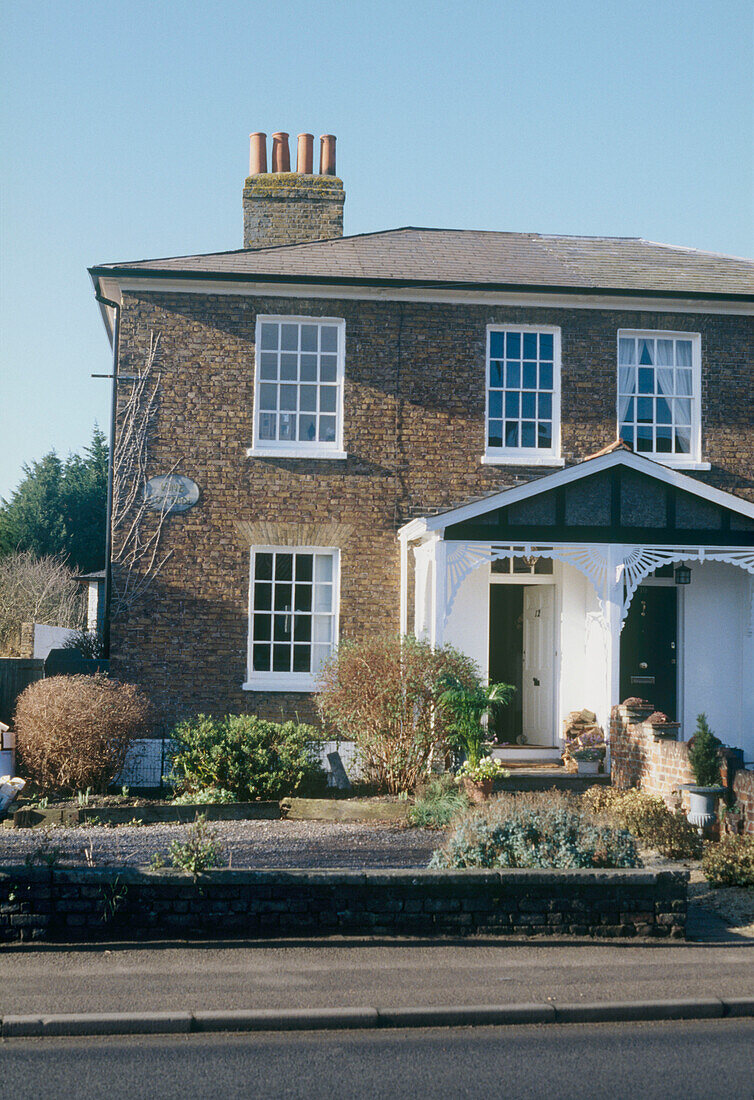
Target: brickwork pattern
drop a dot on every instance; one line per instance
(640, 756)
(743, 792)
(288, 208)
(414, 431)
(37, 903)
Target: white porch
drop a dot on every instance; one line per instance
(573, 600)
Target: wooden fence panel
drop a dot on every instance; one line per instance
(16, 673)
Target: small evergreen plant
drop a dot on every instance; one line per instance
(704, 754)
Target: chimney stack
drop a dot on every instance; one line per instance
(284, 207)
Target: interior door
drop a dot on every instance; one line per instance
(538, 663)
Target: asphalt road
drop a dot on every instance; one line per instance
(651, 1061)
(97, 978)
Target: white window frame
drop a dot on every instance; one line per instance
(288, 681)
(272, 448)
(693, 460)
(525, 456)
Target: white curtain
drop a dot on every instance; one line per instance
(626, 376)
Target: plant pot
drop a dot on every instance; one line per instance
(477, 790)
(732, 824)
(702, 803)
(588, 767)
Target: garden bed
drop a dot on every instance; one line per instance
(149, 814)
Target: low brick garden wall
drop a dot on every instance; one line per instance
(111, 903)
(743, 792)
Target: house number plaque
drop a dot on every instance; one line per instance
(170, 493)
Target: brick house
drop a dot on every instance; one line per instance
(537, 448)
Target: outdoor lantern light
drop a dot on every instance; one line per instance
(683, 575)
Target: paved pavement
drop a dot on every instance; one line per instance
(693, 1061)
(332, 973)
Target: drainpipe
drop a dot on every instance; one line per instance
(110, 466)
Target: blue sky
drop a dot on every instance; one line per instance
(125, 135)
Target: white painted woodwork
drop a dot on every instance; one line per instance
(538, 664)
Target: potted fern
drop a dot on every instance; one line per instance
(704, 757)
(467, 709)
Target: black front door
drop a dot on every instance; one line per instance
(506, 657)
(648, 649)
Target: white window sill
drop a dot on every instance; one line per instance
(281, 681)
(522, 459)
(293, 452)
(675, 463)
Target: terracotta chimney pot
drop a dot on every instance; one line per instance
(327, 155)
(281, 154)
(257, 154)
(305, 158)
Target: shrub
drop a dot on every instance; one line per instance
(729, 862)
(438, 802)
(200, 850)
(383, 693)
(466, 706)
(73, 732)
(523, 832)
(89, 643)
(647, 817)
(248, 756)
(35, 590)
(704, 754)
(208, 796)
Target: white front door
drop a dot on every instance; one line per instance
(538, 664)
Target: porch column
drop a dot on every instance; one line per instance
(613, 609)
(439, 591)
(404, 587)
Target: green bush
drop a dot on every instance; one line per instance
(438, 802)
(200, 851)
(208, 796)
(704, 754)
(647, 817)
(730, 862)
(247, 756)
(515, 831)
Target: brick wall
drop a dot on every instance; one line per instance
(743, 792)
(414, 431)
(36, 903)
(646, 755)
(289, 208)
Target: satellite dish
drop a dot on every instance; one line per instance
(170, 493)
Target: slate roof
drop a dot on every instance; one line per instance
(463, 259)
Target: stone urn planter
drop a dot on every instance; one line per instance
(588, 767)
(702, 804)
(477, 790)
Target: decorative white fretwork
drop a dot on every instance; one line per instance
(615, 571)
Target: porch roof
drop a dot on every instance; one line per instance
(616, 496)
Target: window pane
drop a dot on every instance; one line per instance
(683, 383)
(545, 406)
(261, 658)
(683, 411)
(530, 376)
(308, 368)
(665, 353)
(664, 439)
(327, 429)
(308, 398)
(328, 338)
(496, 374)
(268, 365)
(545, 345)
(496, 404)
(268, 396)
(303, 597)
(287, 427)
(663, 411)
(262, 596)
(270, 336)
(307, 428)
(627, 434)
(283, 597)
(323, 568)
(645, 410)
(646, 351)
(320, 654)
(267, 426)
(322, 628)
(281, 658)
(545, 376)
(544, 434)
(646, 381)
(308, 337)
(511, 433)
(529, 405)
(263, 567)
(288, 396)
(513, 345)
(302, 657)
(496, 345)
(644, 438)
(530, 345)
(322, 597)
(283, 625)
(302, 630)
(495, 433)
(512, 405)
(283, 567)
(513, 375)
(543, 565)
(289, 337)
(327, 397)
(262, 628)
(328, 368)
(683, 440)
(528, 434)
(304, 567)
(288, 367)
(683, 353)
(626, 350)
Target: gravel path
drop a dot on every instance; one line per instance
(305, 844)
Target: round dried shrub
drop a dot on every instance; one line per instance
(73, 732)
